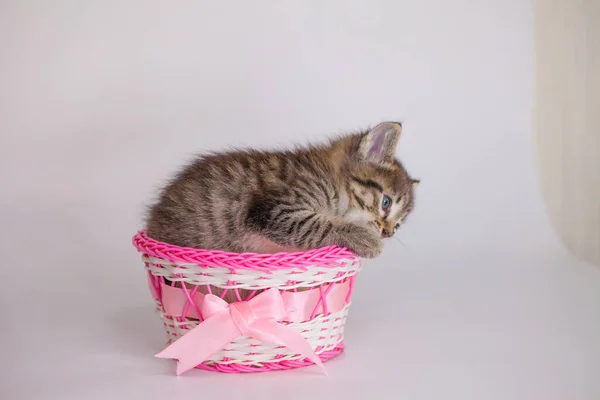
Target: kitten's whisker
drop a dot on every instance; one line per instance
(402, 243)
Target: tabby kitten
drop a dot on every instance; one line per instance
(351, 192)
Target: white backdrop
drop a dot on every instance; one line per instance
(100, 101)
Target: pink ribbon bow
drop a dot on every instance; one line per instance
(224, 322)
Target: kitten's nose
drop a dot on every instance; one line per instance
(385, 233)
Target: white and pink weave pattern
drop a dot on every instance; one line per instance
(290, 313)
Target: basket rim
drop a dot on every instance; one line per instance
(329, 256)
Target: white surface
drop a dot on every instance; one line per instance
(567, 119)
(100, 101)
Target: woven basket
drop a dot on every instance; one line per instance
(316, 287)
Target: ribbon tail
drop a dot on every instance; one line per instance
(201, 342)
(270, 331)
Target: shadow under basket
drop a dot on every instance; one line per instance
(311, 289)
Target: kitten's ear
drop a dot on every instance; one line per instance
(379, 145)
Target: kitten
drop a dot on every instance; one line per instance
(351, 192)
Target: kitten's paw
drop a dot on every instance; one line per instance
(364, 241)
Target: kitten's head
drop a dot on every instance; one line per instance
(381, 191)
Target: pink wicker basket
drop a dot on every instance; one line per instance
(314, 288)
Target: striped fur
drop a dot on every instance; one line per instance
(260, 201)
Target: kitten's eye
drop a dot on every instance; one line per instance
(386, 202)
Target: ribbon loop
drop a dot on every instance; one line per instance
(223, 322)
